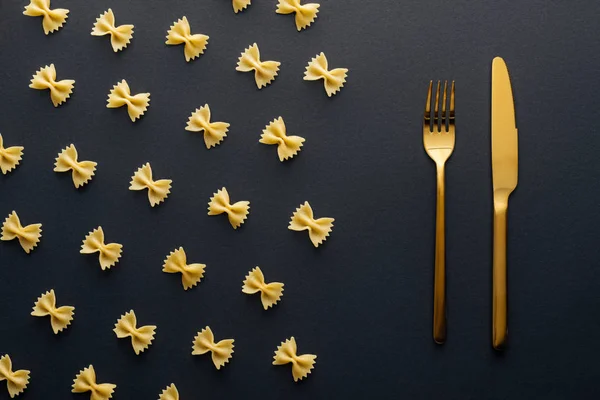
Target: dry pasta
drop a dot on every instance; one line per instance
(305, 13)
(120, 95)
(302, 365)
(52, 20)
(264, 71)
(9, 156)
(318, 229)
(191, 274)
(221, 352)
(270, 293)
(45, 78)
(81, 171)
(60, 318)
(120, 36)
(169, 393)
(236, 213)
(180, 33)
(109, 253)
(275, 133)
(28, 236)
(158, 190)
(214, 132)
(333, 79)
(240, 5)
(141, 338)
(16, 381)
(85, 381)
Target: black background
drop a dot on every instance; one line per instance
(362, 302)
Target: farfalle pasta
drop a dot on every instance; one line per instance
(305, 13)
(214, 132)
(120, 95)
(275, 134)
(45, 78)
(141, 338)
(81, 171)
(303, 220)
(169, 393)
(52, 20)
(180, 33)
(158, 190)
(270, 293)
(60, 317)
(108, 254)
(264, 71)
(176, 263)
(85, 381)
(9, 156)
(16, 381)
(236, 212)
(28, 236)
(221, 351)
(332, 79)
(302, 365)
(239, 5)
(120, 36)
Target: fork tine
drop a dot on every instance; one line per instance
(452, 104)
(444, 106)
(436, 116)
(427, 115)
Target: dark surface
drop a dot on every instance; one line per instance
(362, 302)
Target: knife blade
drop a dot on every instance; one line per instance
(505, 165)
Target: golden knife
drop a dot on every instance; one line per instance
(505, 165)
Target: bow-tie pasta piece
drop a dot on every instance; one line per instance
(275, 133)
(60, 317)
(237, 212)
(305, 13)
(109, 253)
(264, 71)
(29, 236)
(120, 95)
(318, 229)
(214, 132)
(170, 393)
(52, 20)
(85, 381)
(141, 338)
(81, 171)
(9, 156)
(301, 365)
(180, 33)
(332, 79)
(205, 342)
(16, 381)
(240, 5)
(176, 263)
(270, 293)
(45, 78)
(157, 190)
(120, 36)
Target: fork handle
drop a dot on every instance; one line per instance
(499, 323)
(439, 278)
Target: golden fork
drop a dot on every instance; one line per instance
(438, 140)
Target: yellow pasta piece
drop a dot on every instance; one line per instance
(333, 79)
(109, 253)
(16, 381)
(85, 381)
(180, 34)
(237, 212)
(141, 338)
(158, 190)
(275, 133)
(52, 20)
(120, 95)
(191, 274)
(9, 156)
(81, 171)
(305, 13)
(270, 293)
(214, 132)
(45, 78)
(60, 317)
(301, 365)
(170, 393)
(240, 5)
(120, 36)
(221, 351)
(264, 71)
(318, 229)
(29, 236)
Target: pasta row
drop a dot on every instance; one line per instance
(81, 171)
(332, 79)
(302, 365)
(16, 381)
(179, 33)
(236, 212)
(221, 352)
(305, 13)
(214, 132)
(60, 318)
(191, 274)
(158, 190)
(120, 36)
(52, 20)
(9, 156)
(275, 134)
(109, 253)
(120, 95)
(270, 293)
(141, 338)
(28, 236)
(85, 381)
(303, 220)
(45, 78)
(264, 71)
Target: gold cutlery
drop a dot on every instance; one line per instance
(438, 140)
(504, 174)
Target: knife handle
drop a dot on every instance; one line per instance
(499, 324)
(439, 278)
